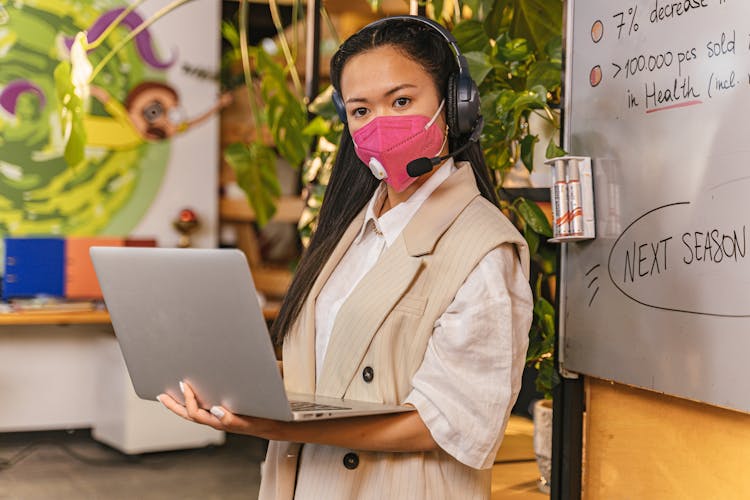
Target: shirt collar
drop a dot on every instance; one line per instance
(393, 222)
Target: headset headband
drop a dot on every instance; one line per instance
(463, 69)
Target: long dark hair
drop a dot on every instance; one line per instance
(351, 184)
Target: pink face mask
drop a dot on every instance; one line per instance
(388, 143)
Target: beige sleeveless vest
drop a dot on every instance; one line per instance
(384, 326)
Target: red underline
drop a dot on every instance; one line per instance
(673, 106)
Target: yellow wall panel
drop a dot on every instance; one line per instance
(644, 445)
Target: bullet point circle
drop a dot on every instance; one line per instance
(595, 77)
(597, 31)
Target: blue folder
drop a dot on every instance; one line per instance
(34, 266)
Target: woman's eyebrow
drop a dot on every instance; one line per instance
(389, 92)
(356, 99)
(399, 88)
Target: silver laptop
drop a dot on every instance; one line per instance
(193, 315)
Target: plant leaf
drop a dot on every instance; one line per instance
(525, 102)
(494, 19)
(516, 49)
(546, 258)
(546, 379)
(255, 168)
(488, 106)
(548, 323)
(437, 7)
(542, 307)
(527, 151)
(473, 5)
(554, 51)
(230, 34)
(285, 114)
(471, 36)
(76, 146)
(544, 74)
(534, 217)
(318, 126)
(539, 21)
(479, 65)
(322, 105)
(553, 150)
(532, 239)
(71, 111)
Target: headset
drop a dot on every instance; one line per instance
(462, 96)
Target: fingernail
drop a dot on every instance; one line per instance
(217, 412)
(158, 398)
(182, 387)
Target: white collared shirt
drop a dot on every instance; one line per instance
(376, 235)
(471, 372)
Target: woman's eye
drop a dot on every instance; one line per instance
(401, 102)
(359, 112)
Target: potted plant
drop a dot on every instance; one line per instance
(515, 50)
(277, 114)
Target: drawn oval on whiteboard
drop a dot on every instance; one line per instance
(685, 257)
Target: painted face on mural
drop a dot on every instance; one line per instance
(151, 110)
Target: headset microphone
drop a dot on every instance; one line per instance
(421, 166)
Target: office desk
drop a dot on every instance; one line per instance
(65, 371)
(97, 317)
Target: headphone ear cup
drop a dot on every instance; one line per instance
(338, 103)
(467, 105)
(451, 113)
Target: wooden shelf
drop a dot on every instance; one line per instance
(269, 280)
(289, 209)
(270, 311)
(54, 318)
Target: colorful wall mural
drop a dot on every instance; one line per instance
(152, 135)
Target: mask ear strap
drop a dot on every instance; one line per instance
(445, 140)
(435, 116)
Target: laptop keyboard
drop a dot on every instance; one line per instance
(305, 406)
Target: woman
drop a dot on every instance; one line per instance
(413, 291)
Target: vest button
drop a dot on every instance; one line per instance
(351, 461)
(368, 374)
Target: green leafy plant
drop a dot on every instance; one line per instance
(275, 107)
(514, 51)
(327, 127)
(536, 228)
(71, 114)
(516, 59)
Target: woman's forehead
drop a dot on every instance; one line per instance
(379, 70)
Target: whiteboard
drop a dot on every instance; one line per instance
(658, 94)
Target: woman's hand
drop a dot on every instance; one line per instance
(219, 418)
(395, 432)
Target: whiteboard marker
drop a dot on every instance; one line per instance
(575, 204)
(560, 200)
